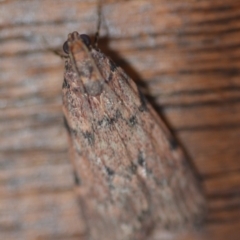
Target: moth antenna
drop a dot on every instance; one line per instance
(99, 13)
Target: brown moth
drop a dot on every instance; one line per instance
(133, 179)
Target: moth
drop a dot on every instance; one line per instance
(132, 177)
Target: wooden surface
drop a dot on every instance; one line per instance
(184, 55)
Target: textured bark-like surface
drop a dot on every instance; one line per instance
(183, 54)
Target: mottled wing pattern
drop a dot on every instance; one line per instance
(132, 176)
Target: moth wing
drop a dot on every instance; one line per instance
(133, 176)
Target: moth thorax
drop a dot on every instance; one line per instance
(93, 87)
(90, 78)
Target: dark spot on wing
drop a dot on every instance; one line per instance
(74, 132)
(141, 160)
(110, 172)
(69, 129)
(173, 143)
(133, 168)
(89, 136)
(118, 114)
(113, 66)
(111, 121)
(66, 125)
(67, 66)
(76, 179)
(105, 121)
(143, 106)
(76, 90)
(132, 121)
(65, 84)
(143, 217)
(110, 77)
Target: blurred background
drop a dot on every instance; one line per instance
(185, 57)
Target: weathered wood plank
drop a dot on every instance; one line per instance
(213, 151)
(34, 216)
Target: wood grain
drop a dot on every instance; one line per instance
(184, 55)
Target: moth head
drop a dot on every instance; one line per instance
(76, 36)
